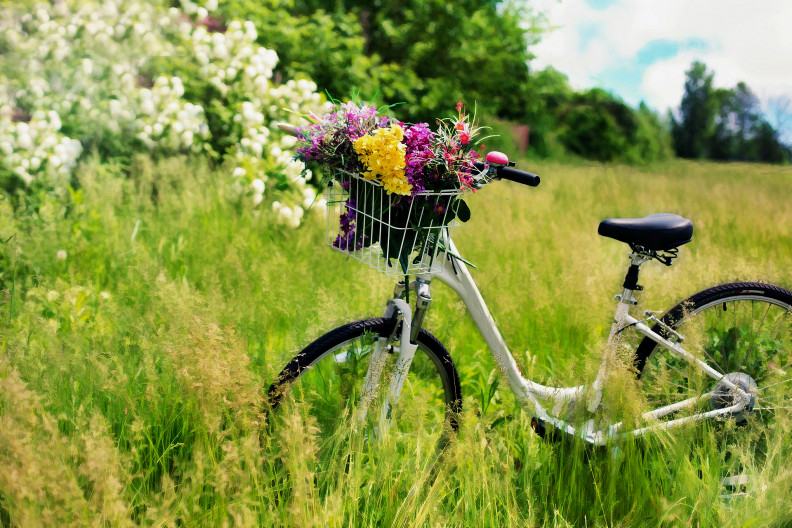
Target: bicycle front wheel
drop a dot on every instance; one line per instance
(743, 331)
(323, 383)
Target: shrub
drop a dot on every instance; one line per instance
(120, 77)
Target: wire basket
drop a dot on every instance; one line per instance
(396, 235)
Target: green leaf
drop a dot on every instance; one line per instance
(462, 211)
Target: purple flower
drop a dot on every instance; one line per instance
(348, 239)
(329, 141)
(418, 140)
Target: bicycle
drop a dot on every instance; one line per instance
(724, 353)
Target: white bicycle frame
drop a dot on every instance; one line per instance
(455, 274)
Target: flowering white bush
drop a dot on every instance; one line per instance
(36, 148)
(124, 76)
(163, 119)
(241, 71)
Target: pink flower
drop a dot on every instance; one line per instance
(463, 131)
(459, 106)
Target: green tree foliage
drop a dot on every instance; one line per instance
(461, 50)
(327, 46)
(546, 92)
(696, 114)
(428, 54)
(724, 124)
(768, 146)
(597, 125)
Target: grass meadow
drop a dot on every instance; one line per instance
(133, 372)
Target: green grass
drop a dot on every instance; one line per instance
(133, 373)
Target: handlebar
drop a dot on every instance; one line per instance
(507, 172)
(515, 175)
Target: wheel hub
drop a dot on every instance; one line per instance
(722, 396)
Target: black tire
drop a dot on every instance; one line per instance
(741, 329)
(324, 381)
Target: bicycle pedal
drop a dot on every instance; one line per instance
(735, 482)
(538, 427)
(734, 487)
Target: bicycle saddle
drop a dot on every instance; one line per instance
(656, 232)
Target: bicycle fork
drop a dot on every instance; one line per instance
(408, 344)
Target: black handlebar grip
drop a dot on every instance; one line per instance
(526, 178)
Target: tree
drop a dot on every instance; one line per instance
(427, 54)
(546, 92)
(696, 114)
(768, 146)
(598, 126)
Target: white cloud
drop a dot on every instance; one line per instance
(744, 41)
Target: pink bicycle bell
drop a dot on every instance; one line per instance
(497, 158)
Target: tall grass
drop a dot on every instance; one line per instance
(133, 372)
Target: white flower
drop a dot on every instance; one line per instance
(309, 195)
(24, 141)
(148, 108)
(257, 199)
(285, 214)
(258, 185)
(115, 107)
(220, 52)
(87, 66)
(61, 254)
(239, 172)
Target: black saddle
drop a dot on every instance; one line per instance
(657, 232)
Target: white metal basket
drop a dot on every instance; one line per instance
(396, 235)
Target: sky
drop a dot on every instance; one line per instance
(641, 49)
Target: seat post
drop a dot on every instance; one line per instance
(631, 279)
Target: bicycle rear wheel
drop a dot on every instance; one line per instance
(323, 383)
(744, 331)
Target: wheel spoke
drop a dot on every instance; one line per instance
(328, 387)
(745, 346)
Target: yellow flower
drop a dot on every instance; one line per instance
(382, 153)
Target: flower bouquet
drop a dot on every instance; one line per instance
(395, 188)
